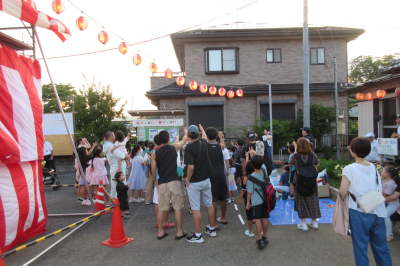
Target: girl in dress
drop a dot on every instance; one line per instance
(232, 187)
(137, 178)
(122, 194)
(391, 175)
(99, 172)
(120, 143)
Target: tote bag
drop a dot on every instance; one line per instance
(340, 219)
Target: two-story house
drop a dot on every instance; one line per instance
(249, 56)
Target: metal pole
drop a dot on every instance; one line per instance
(270, 120)
(336, 108)
(65, 120)
(306, 71)
(33, 42)
(55, 244)
(69, 214)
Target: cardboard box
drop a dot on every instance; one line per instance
(323, 191)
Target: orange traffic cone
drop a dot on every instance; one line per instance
(1, 260)
(99, 203)
(118, 237)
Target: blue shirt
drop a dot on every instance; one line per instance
(251, 188)
(285, 179)
(293, 167)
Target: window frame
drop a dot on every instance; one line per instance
(316, 48)
(273, 55)
(207, 60)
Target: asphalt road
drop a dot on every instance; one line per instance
(287, 244)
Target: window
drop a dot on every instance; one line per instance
(274, 56)
(208, 114)
(317, 56)
(222, 60)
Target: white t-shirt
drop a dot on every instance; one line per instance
(362, 180)
(225, 152)
(269, 141)
(373, 156)
(398, 129)
(47, 148)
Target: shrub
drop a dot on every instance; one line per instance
(333, 168)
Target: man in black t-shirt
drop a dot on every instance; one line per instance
(238, 161)
(305, 131)
(251, 139)
(198, 184)
(169, 187)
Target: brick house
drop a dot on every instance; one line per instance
(249, 56)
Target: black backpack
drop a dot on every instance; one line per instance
(268, 191)
(306, 176)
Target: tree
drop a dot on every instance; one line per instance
(95, 108)
(366, 67)
(65, 92)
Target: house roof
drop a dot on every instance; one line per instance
(174, 91)
(13, 43)
(393, 69)
(255, 32)
(372, 83)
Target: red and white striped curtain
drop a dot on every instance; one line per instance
(23, 212)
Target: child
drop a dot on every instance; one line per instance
(137, 178)
(243, 194)
(84, 159)
(99, 172)
(120, 143)
(237, 161)
(291, 150)
(231, 182)
(284, 182)
(122, 195)
(260, 214)
(391, 175)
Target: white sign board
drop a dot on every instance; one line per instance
(158, 123)
(53, 124)
(388, 146)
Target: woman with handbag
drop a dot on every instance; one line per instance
(367, 210)
(306, 206)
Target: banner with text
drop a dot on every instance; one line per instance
(388, 146)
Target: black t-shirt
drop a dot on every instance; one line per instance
(397, 188)
(166, 157)
(310, 138)
(200, 163)
(267, 159)
(217, 163)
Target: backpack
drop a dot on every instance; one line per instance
(260, 147)
(306, 176)
(269, 192)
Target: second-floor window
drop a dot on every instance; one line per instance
(274, 56)
(222, 60)
(317, 56)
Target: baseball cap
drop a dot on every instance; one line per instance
(306, 129)
(193, 131)
(250, 135)
(370, 134)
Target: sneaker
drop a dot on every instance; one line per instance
(265, 240)
(247, 233)
(389, 238)
(88, 203)
(194, 239)
(190, 210)
(303, 227)
(131, 199)
(79, 200)
(126, 217)
(108, 204)
(260, 244)
(140, 200)
(210, 232)
(291, 197)
(84, 202)
(314, 225)
(232, 199)
(228, 201)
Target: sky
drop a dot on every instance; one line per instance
(136, 21)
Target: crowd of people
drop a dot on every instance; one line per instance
(212, 173)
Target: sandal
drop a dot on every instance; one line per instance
(182, 236)
(161, 237)
(219, 220)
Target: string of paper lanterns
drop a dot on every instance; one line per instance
(370, 96)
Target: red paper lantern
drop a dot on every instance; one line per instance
(398, 91)
(239, 93)
(381, 93)
(137, 59)
(103, 37)
(180, 80)
(230, 94)
(62, 104)
(169, 73)
(213, 90)
(369, 96)
(221, 91)
(359, 96)
(123, 48)
(193, 85)
(203, 88)
(58, 6)
(153, 67)
(81, 23)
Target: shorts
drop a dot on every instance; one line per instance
(82, 182)
(291, 176)
(260, 211)
(171, 191)
(283, 188)
(239, 171)
(200, 192)
(219, 192)
(249, 214)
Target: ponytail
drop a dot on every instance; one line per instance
(393, 171)
(136, 148)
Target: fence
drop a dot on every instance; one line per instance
(330, 140)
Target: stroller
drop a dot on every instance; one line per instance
(49, 178)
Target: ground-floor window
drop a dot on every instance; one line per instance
(284, 110)
(209, 114)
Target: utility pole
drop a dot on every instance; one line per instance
(270, 120)
(306, 71)
(336, 108)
